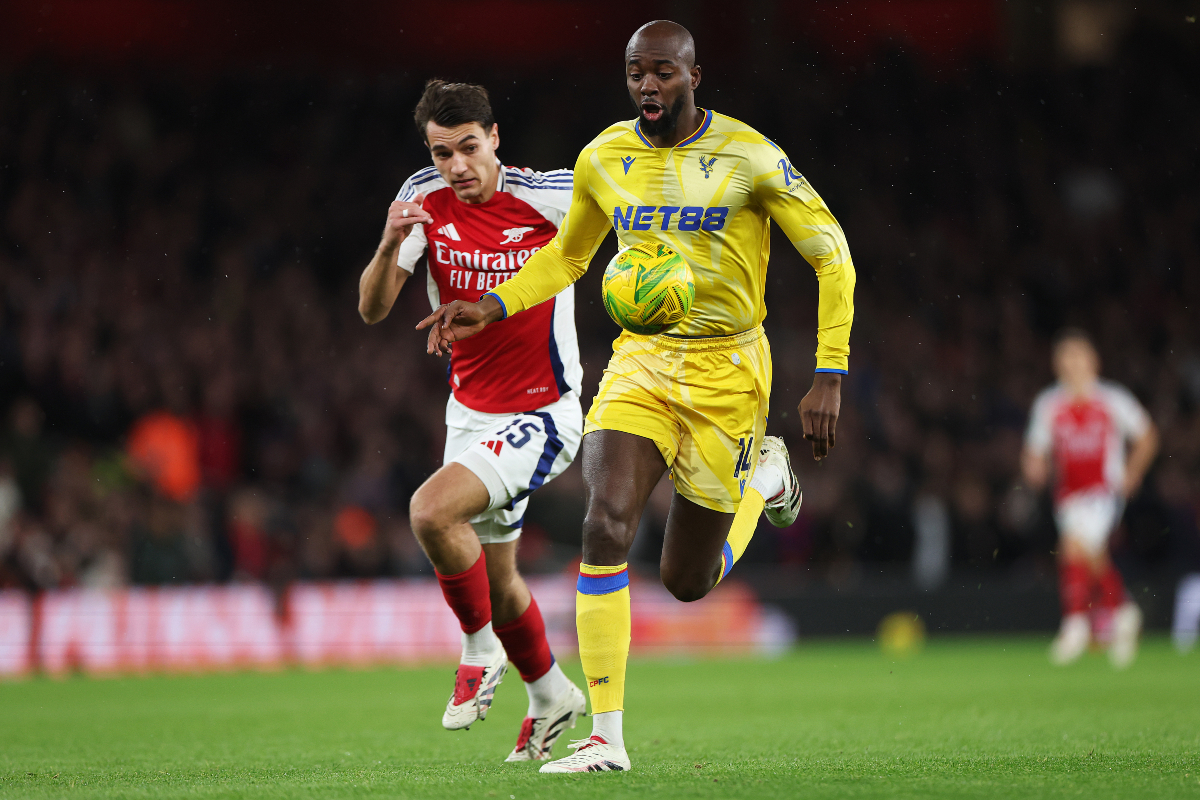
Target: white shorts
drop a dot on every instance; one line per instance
(1089, 518)
(513, 454)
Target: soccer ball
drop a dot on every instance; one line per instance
(648, 288)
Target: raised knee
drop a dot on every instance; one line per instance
(685, 585)
(427, 519)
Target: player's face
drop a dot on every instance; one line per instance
(659, 84)
(1076, 362)
(465, 155)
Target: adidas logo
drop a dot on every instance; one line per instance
(449, 232)
(494, 445)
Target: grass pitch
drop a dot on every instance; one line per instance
(985, 718)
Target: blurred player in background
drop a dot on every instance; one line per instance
(1083, 426)
(695, 400)
(513, 418)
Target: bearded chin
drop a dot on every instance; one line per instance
(664, 125)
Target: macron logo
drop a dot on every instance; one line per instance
(449, 232)
(514, 234)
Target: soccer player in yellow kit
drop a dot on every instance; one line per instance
(695, 399)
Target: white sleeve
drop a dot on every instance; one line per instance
(1038, 434)
(1131, 416)
(413, 246)
(422, 181)
(548, 192)
(411, 249)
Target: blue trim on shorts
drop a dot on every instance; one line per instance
(728, 552)
(550, 452)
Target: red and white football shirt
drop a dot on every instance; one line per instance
(531, 359)
(1086, 435)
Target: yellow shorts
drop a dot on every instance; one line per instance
(703, 401)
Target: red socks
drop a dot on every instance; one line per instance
(1075, 587)
(1076, 582)
(1111, 589)
(468, 596)
(524, 640)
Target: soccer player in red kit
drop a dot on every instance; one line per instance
(1101, 442)
(513, 417)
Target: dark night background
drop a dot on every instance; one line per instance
(189, 191)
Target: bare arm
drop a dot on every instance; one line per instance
(1035, 467)
(382, 279)
(1141, 455)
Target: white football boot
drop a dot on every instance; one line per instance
(781, 510)
(591, 755)
(1126, 628)
(474, 688)
(538, 734)
(1072, 640)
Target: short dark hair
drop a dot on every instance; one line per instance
(1072, 334)
(453, 104)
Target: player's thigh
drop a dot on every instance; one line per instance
(632, 397)
(1085, 523)
(620, 470)
(692, 546)
(722, 405)
(450, 496)
(513, 456)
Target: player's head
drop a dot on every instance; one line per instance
(661, 73)
(457, 124)
(1076, 362)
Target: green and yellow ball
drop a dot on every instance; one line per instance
(648, 288)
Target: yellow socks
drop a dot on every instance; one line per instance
(602, 618)
(745, 522)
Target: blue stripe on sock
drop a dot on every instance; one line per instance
(602, 584)
(728, 551)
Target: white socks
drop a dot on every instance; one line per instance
(608, 727)
(545, 690)
(479, 648)
(767, 481)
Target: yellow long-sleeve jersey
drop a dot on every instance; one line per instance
(711, 198)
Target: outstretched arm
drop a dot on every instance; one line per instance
(384, 276)
(547, 272)
(804, 218)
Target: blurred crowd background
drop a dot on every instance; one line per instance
(188, 394)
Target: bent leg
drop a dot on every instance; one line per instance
(521, 629)
(440, 513)
(691, 557)
(509, 594)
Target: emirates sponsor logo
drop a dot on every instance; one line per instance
(481, 272)
(506, 261)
